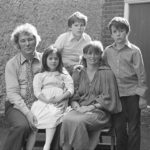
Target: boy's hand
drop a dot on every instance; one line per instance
(78, 67)
(142, 103)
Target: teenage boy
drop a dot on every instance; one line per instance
(71, 43)
(125, 60)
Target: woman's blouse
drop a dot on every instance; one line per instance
(102, 89)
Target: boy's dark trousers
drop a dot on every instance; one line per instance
(127, 124)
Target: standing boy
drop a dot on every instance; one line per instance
(125, 59)
(72, 42)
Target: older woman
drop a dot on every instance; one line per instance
(19, 72)
(95, 99)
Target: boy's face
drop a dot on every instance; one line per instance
(77, 29)
(119, 35)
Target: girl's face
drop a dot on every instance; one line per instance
(92, 58)
(119, 35)
(52, 61)
(77, 29)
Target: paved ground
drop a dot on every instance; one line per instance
(145, 131)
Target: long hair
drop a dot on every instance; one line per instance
(94, 46)
(49, 51)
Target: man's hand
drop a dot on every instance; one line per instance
(32, 120)
(142, 103)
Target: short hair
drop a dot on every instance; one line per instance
(48, 51)
(119, 22)
(77, 17)
(29, 28)
(95, 47)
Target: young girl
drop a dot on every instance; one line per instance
(52, 87)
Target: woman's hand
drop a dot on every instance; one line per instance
(78, 67)
(84, 109)
(52, 100)
(75, 105)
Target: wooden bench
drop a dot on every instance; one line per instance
(40, 140)
(107, 140)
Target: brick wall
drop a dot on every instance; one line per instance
(111, 8)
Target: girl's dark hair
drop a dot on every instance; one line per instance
(51, 50)
(94, 46)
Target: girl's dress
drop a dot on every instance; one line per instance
(50, 84)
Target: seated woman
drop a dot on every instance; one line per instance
(96, 98)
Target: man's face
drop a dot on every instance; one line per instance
(26, 43)
(119, 35)
(77, 29)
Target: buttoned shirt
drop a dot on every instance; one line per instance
(16, 81)
(128, 67)
(71, 48)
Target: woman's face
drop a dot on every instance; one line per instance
(92, 58)
(26, 43)
(52, 61)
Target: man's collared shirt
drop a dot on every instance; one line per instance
(71, 48)
(16, 81)
(128, 67)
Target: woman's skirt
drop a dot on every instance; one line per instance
(82, 130)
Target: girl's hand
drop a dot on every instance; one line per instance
(52, 100)
(58, 99)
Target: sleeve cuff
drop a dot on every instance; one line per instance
(141, 92)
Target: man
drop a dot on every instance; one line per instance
(19, 74)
